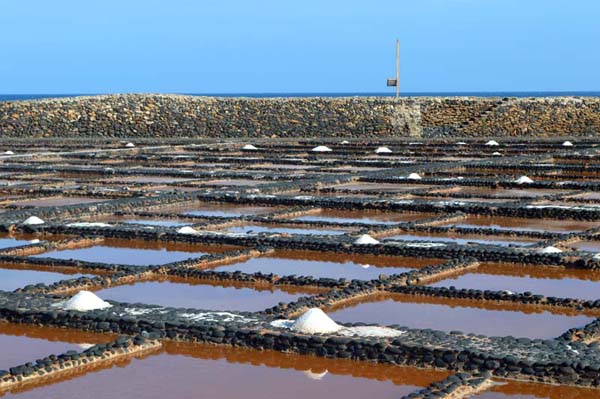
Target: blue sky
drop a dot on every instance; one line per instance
(236, 46)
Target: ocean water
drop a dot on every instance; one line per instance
(18, 97)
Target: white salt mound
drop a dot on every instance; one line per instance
(249, 147)
(492, 142)
(567, 144)
(523, 180)
(366, 239)
(34, 241)
(33, 220)
(496, 154)
(345, 142)
(187, 230)
(84, 301)
(597, 256)
(550, 250)
(129, 145)
(321, 148)
(461, 143)
(383, 150)
(414, 176)
(9, 152)
(315, 321)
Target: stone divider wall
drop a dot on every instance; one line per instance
(137, 115)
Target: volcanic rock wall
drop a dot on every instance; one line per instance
(136, 115)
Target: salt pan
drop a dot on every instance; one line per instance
(33, 220)
(366, 239)
(321, 148)
(84, 301)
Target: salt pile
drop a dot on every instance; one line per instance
(597, 256)
(383, 150)
(523, 180)
(366, 239)
(461, 143)
(496, 154)
(550, 250)
(249, 147)
(84, 301)
(9, 152)
(129, 145)
(414, 176)
(33, 220)
(315, 321)
(34, 241)
(187, 230)
(567, 144)
(492, 142)
(345, 142)
(321, 148)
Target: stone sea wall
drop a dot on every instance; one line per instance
(137, 115)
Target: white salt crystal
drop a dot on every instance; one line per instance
(84, 301)
(383, 150)
(321, 148)
(315, 321)
(550, 250)
(523, 180)
(366, 239)
(33, 220)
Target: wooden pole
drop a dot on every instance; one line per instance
(397, 67)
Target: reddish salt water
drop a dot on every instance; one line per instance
(201, 295)
(256, 228)
(565, 287)
(365, 216)
(466, 239)
(221, 210)
(523, 224)
(20, 344)
(316, 264)
(202, 371)
(529, 390)
(58, 201)
(11, 279)
(448, 315)
(591, 246)
(137, 253)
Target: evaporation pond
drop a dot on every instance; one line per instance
(137, 253)
(328, 265)
(202, 371)
(13, 278)
(284, 229)
(187, 293)
(462, 239)
(448, 315)
(7, 241)
(555, 282)
(58, 201)
(529, 390)
(222, 210)
(20, 344)
(364, 216)
(523, 224)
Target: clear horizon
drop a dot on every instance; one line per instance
(235, 47)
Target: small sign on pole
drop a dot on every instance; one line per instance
(395, 82)
(392, 82)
